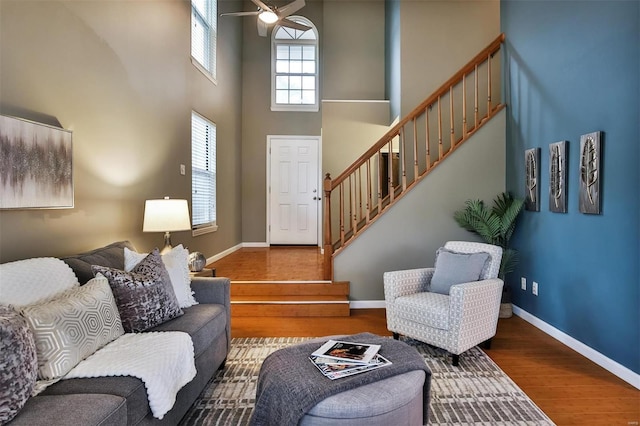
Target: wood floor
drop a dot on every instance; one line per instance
(568, 387)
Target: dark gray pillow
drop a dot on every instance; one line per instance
(19, 365)
(111, 256)
(144, 296)
(456, 268)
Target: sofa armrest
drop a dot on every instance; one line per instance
(212, 290)
(402, 283)
(216, 290)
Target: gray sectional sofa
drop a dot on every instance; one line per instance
(123, 400)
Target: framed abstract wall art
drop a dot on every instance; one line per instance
(590, 173)
(36, 169)
(532, 179)
(558, 177)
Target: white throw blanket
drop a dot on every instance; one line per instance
(164, 361)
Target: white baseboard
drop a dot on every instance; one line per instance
(607, 363)
(255, 244)
(367, 304)
(224, 253)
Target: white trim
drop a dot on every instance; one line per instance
(607, 363)
(204, 230)
(224, 253)
(281, 282)
(289, 302)
(360, 101)
(256, 244)
(368, 304)
(203, 70)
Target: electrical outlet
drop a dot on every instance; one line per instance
(183, 169)
(534, 288)
(523, 283)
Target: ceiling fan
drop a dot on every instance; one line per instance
(268, 15)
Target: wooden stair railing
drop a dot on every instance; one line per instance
(410, 150)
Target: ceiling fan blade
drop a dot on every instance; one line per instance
(262, 28)
(241, 13)
(290, 24)
(262, 5)
(290, 8)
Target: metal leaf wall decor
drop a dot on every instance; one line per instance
(532, 181)
(558, 177)
(590, 173)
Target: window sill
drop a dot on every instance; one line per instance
(204, 230)
(203, 70)
(295, 108)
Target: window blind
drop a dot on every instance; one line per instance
(204, 33)
(203, 172)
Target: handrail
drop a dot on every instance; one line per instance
(490, 50)
(363, 194)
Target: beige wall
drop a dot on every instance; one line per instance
(118, 74)
(349, 128)
(353, 46)
(438, 37)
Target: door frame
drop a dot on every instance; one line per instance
(320, 205)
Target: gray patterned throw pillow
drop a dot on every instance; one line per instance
(144, 296)
(18, 363)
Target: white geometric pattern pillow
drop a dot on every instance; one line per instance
(73, 326)
(176, 261)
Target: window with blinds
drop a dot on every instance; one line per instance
(203, 173)
(204, 34)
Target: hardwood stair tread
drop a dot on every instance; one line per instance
(290, 299)
(288, 288)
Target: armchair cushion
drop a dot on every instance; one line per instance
(426, 308)
(456, 268)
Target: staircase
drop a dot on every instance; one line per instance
(289, 299)
(410, 150)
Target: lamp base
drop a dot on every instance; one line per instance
(167, 243)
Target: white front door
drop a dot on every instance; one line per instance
(294, 194)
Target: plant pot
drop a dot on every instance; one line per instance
(506, 310)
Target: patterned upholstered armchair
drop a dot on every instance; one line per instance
(453, 306)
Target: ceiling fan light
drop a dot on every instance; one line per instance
(268, 17)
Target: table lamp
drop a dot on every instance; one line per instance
(166, 215)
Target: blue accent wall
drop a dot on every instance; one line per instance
(571, 68)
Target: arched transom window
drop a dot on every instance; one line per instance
(294, 83)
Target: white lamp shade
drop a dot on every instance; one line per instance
(166, 215)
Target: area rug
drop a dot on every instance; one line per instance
(477, 392)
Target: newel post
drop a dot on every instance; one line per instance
(328, 247)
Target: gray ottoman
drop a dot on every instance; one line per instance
(394, 401)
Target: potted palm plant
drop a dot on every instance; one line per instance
(495, 226)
